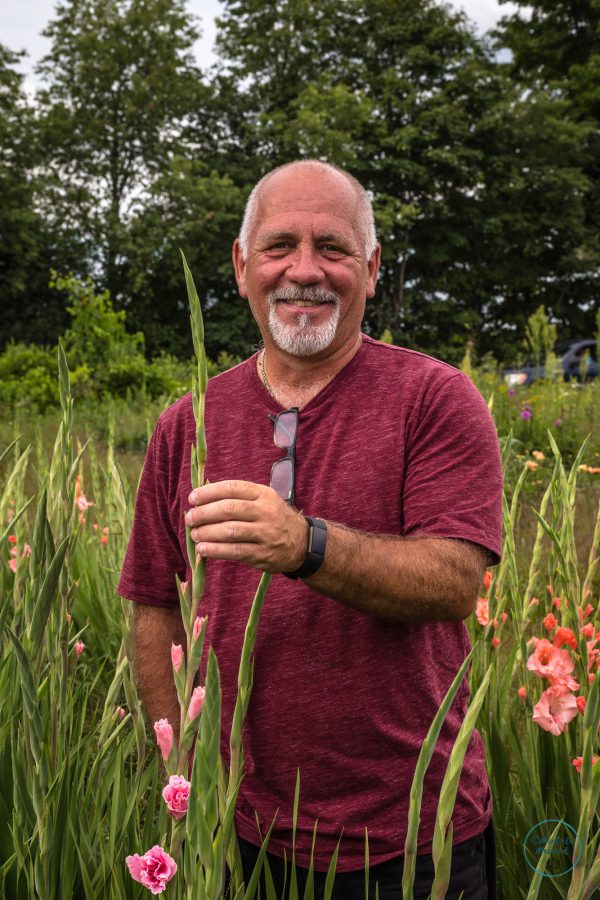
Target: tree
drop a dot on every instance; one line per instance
(25, 245)
(120, 86)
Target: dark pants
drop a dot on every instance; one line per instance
(473, 872)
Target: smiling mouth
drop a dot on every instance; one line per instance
(305, 302)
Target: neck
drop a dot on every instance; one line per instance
(295, 380)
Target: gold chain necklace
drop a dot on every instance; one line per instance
(264, 375)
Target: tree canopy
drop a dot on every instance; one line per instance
(482, 165)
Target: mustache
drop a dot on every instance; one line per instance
(296, 292)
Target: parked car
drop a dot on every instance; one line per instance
(572, 363)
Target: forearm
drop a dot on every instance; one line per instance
(155, 629)
(400, 579)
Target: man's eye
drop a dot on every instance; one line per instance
(332, 248)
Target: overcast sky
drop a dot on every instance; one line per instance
(23, 20)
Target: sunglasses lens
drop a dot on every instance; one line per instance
(282, 478)
(285, 429)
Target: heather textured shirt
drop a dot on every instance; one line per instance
(399, 444)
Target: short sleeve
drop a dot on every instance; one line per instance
(453, 476)
(154, 555)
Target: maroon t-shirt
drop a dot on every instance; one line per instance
(398, 443)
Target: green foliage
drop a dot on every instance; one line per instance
(540, 338)
(28, 374)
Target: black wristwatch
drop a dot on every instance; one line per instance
(315, 555)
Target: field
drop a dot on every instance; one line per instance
(80, 773)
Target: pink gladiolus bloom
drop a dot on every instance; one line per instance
(79, 648)
(176, 656)
(184, 587)
(550, 623)
(522, 692)
(581, 704)
(83, 503)
(154, 869)
(555, 709)
(120, 712)
(196, 702)
(12, 539)
(482, 611)
(26, 550)
(198, 623)
(176, 795)
(487, 580)
(68, 618)
(534, 601)
(164, 737)
(555, 665)
(588, 630)
(579, 759)
(504, 616)
(13, 564)
(495, 641)
(556, 602)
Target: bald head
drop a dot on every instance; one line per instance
(365, 224)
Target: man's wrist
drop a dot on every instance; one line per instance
(315, 551)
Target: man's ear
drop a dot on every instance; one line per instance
(239, 266)
(373, 269)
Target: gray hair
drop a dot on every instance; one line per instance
(365, 222)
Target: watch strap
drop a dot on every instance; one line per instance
(315, 555)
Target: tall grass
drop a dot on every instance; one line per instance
(81, 783)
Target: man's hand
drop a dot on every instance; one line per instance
(247, 522)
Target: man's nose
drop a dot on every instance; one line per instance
(305, 266)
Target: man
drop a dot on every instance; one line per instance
(394, 457)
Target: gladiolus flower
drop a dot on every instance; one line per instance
(537, 454)
(69, 618)
(176, 795)
(487, 580)
(581, 704)
(164, 737)
(198, 623)
(12, 539)
(556, 602)
(522, 692)
(534, 601)
(103, 540)
(184, 587)
(495, 641)
(196, 702)
(26, 550)
(550, 623)
(13, 564)
(564, 636)
(83, 503)
(79, 648)
(579, 759)
(555, 709)
(588, 630)
(555, 665)
(154, 869)
(482, 611)
(531, 465)
(176, 656)
(504, 617)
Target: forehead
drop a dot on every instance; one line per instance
(305, 196)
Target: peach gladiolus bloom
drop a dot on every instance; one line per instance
(555, 709)
(537, 454)
(553, 664)
(550, 622)
(482, 611)
(581, 704)
(564, 636)
(579, 759)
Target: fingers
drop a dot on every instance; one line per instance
(221, 511)
(223, 490)
(226, 532)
